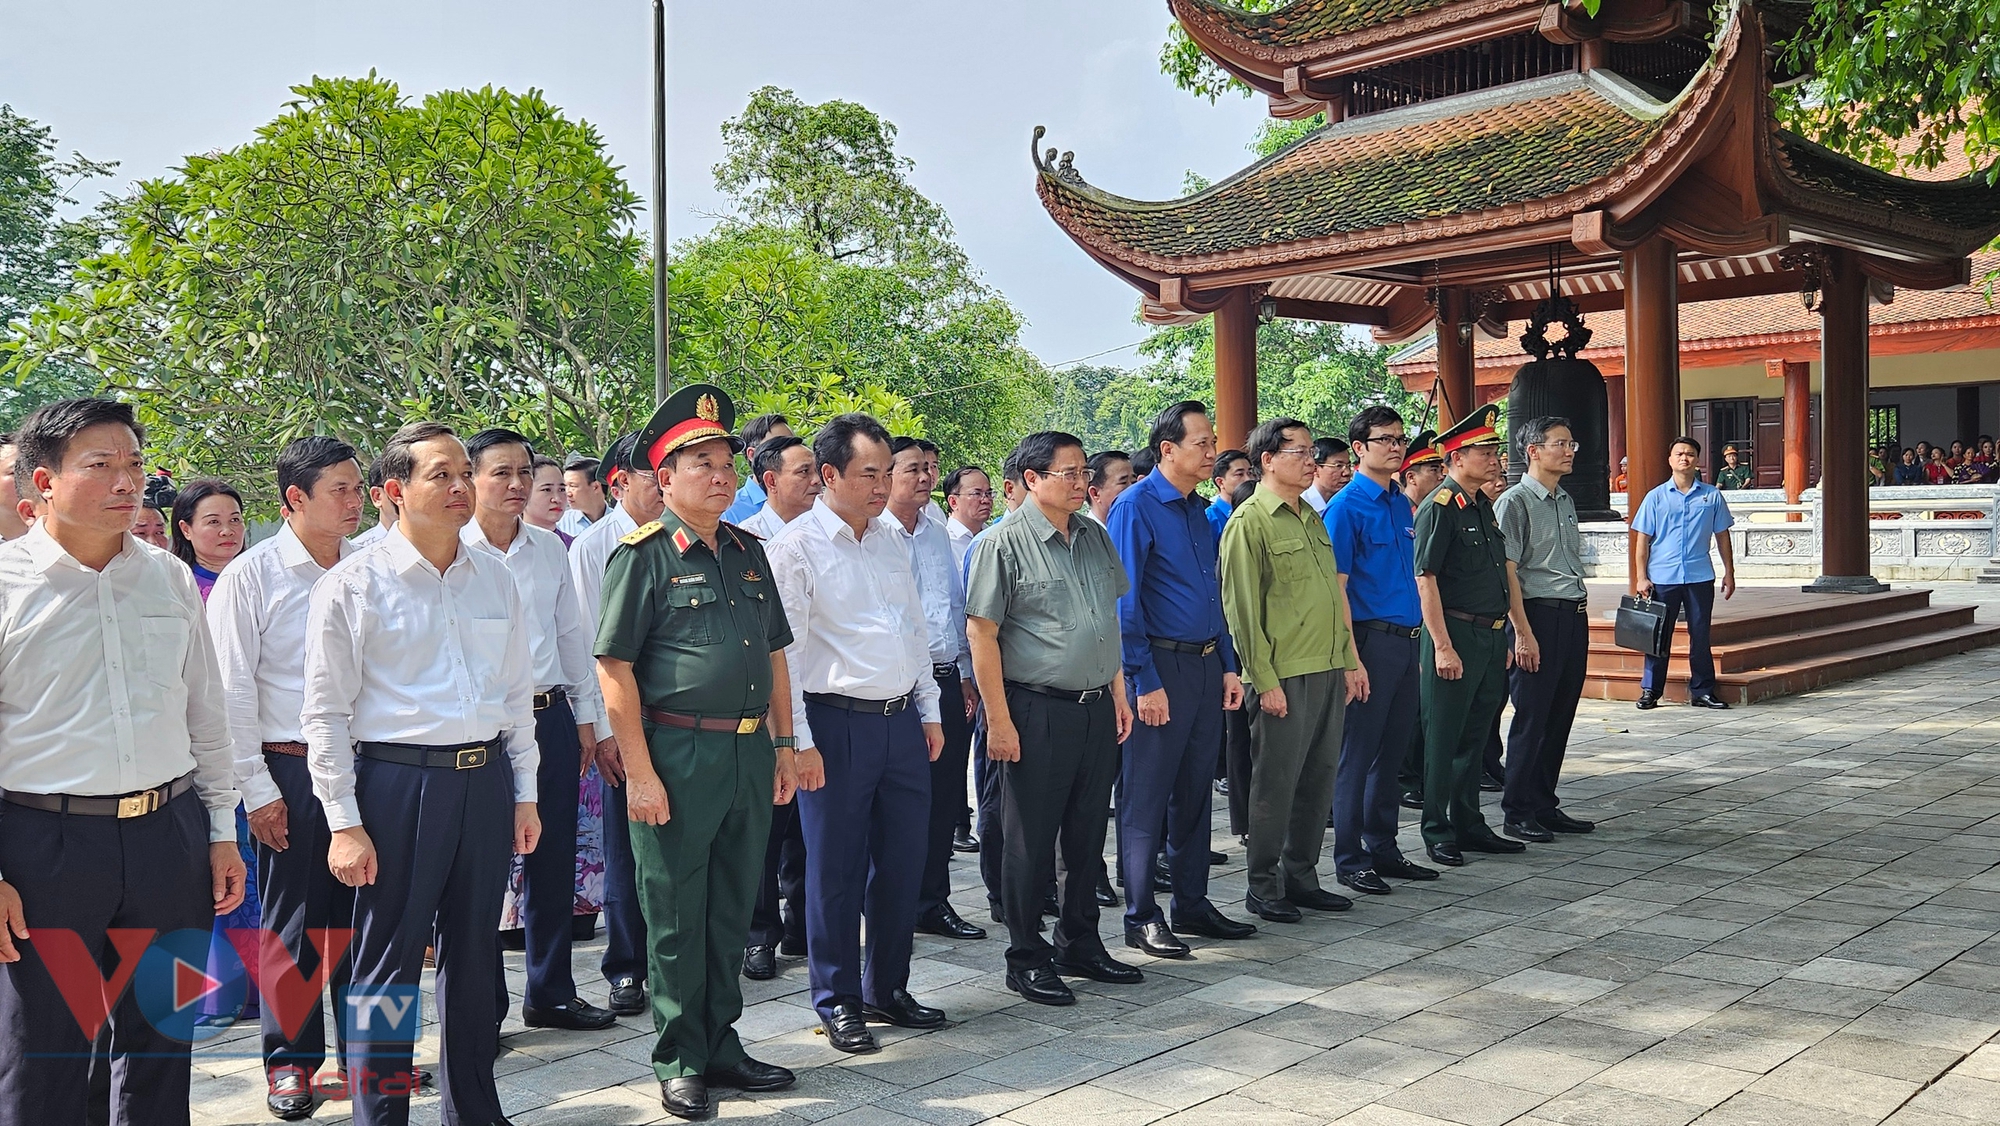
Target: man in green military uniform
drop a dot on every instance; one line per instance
(690, 658)
(1733, 474)
(1466, 592)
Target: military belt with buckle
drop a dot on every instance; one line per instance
(465, 756)
(1191, 648)
(546, 700)
(734, 725)
(1070, 695)
(123, 806)
(1479, 621)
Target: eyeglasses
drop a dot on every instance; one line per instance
(1293, 451)
(974, 494)
(1397, 440)
(1563, 444)
(1070, 475)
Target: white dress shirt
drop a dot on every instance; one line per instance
(575, 522)
(857, 618)
(257, 614)
(961, 542)
(765, 523)
(370, 537)
(398, 653)
(107, 678)
(559, 639)
(588, 557)
(940, 583)
(1315, 498)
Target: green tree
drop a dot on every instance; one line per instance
(39, 248)
(368, 259)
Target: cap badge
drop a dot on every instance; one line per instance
(706, 409)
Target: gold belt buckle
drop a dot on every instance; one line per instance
(139, 805)
(748, 724)
(1499, 623)
(1207, 647)
(469, 758)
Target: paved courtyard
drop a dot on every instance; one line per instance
(1789, 914)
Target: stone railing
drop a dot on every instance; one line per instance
(1928, 532)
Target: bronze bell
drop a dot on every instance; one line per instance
(1555, 382)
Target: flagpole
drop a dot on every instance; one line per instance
(662, 382)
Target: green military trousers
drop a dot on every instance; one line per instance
(698, 876)
(1458, 715)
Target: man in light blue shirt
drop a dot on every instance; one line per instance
(751, 497)
(1675, 523)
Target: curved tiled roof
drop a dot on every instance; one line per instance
(1969, 202)
(1300, 23)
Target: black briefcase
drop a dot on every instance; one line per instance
(1643, 625)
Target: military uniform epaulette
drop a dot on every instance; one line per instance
(739, 533)
(642, 533)
(1442, 496)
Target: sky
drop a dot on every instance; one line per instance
(146, 82)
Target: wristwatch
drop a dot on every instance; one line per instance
(789, 742)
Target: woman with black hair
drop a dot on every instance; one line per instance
(208, 529)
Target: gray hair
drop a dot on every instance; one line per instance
(1535, 431)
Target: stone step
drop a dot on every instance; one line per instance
(1765, 613)
(1780, 648)
(1749, 686)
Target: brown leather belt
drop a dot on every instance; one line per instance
(739, 725)
(295, 750)
(1480, 621)
(123, 806)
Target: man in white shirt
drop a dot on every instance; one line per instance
(257, 614)
(1334, 468)
(784, 466)
(1110, 474)
(115, 761)
(418, 683)
(385, 512)
(584, 485)
(12, 526)
(567, 706)
(917, 522)
(968, 493)
(865, 710)
(639, 502)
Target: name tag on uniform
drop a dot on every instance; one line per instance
(690, 580)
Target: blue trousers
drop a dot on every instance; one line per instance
(624, 920)
(865, 836)
(548, 874)
(1377, 734)
(442, 840)
(1698, 599)
(301, 895)
(1165, 777)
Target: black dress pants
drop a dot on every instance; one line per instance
(1058, 789)
(1544, 710)
(947, 794)
(301, 901)
(780, 911)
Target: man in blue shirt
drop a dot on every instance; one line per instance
(1374, 551)
(1675, 523)
(1178, 657)
(1232, 468)
(751, 497)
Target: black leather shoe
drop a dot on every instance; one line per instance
(1099, 966)
(1216, 859)
(1490, 785)
(686, 1097)
(1401, 869)
(750, 1075)
(1528, 831)
(792, 946)
(760, 962)
(291, 1097)
(1276, 910)
(903, 1011)
(962, 840)
(1040, 985)
(1154, 938)
(575, 1015)
(945, 923)
(1493, 843)
(1366, 882)
(1318, 899)
(1708, 702)
(628, 997)
(1555, 820)
(1105, 896)
(847, 1029)
(1411, 800)
(1210, 923)
(1445, 854)
(1163, 876)
(1648, 700)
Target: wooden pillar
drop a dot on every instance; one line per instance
(1454, 361)
(1236, 368)
(1843, 413)
(1651, 272)
(1614, 402)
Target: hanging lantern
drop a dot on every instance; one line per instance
(1556, 382)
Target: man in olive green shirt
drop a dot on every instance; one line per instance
(1041, 601)
(1289, 619)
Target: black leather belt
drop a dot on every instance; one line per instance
(546, 700)
(1191, 648)
(1479, 620)
(1560, 605)
(1071, 695)
(1390, 628)
(466, 756)
(137, 804)
(939, 672)
(864, 707)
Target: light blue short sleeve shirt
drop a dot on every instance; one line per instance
(1681, 526)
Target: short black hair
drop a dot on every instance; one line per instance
(1269, 438)
(1170, 425)
(477, 445)
(1098, 462)
(1037, 451)
(903, 442)
(1144, 462)
(755, 430)
(44, 437)
(957, 478)
(375, 472)
(770, 457)
(1684, 440)
(1010, 467)
(1324, 448)
(399, 457)
(1227, 459)
(834, 444)
(303, 460)
(159, 496)
(1243, 493)
(190, 498)
(543, 461)
(1369, 418)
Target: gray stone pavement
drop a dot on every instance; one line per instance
(1789, 914)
